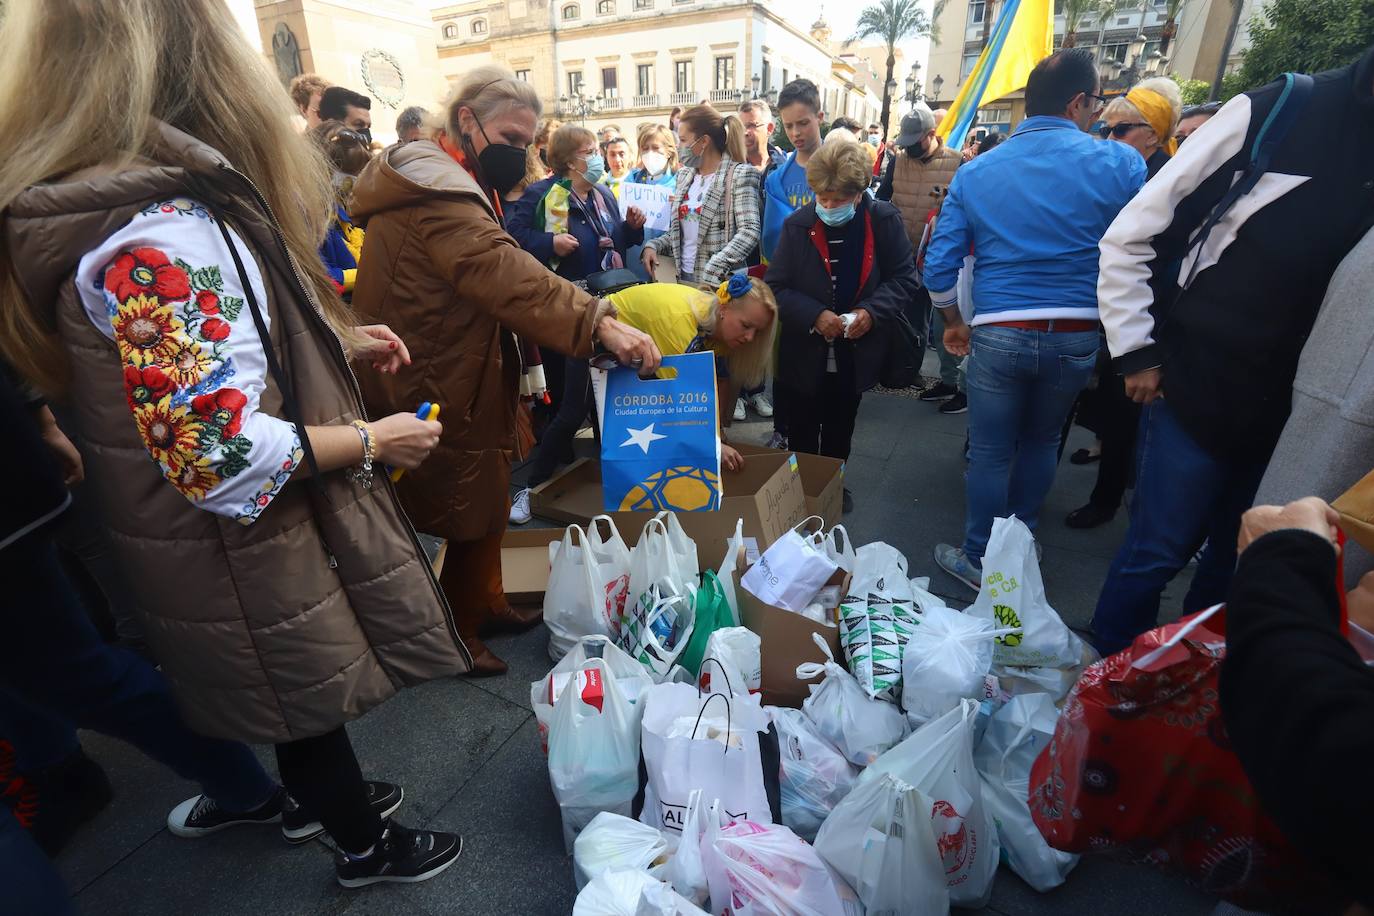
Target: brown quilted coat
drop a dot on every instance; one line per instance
(323, 608)
(439, 269)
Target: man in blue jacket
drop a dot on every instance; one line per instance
(1033, 211)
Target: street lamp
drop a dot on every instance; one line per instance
(756, 83)
(936, 84)
(913, 84)
(580, 105)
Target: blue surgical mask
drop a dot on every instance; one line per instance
(836, 216)
(688, 155)
(596, 168)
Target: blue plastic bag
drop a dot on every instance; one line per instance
(659, 443)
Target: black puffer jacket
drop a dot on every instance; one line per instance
(800, 279)
(35, 492)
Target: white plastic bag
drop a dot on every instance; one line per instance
(877, 616)
(685, 870)
(840, 548)
(767, 870)
(946, 659)
(1013, 595)
(730, 565)
(879, 840)
(860, 726)
(588, 582)
(615, 841)
(734, 656)
(723, 760)
(793, 569)
(1015, 736)
(630, 892)
(1057, 682)
(658, 612)
(630, 679)
(938, 760)
(815, 775)
(593, 750)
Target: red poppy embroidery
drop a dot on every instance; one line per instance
(147, 385)
(215, 329)
(146, 272)
(207, 302)
(223, 408)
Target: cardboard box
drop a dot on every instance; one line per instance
(785, 642)
(525, 563)
(822, 481)
(767, 494)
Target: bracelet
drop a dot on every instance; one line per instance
(363, 472)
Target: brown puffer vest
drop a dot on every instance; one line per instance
(919, 186)
(323, 608)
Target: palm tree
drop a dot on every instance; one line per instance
(1076, 13)
(1166, 35)
(894, 21)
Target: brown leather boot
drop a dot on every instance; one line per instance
(485, 663)
(507, 619)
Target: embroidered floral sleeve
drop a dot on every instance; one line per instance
(194, 367)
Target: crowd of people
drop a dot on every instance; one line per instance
(210, 291)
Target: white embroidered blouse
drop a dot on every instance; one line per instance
(165, 290)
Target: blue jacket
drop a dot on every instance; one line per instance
(1033, 211)
(587, 259)
(785, 191)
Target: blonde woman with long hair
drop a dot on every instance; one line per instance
(715, 217)
(159, 272)
(441, 269)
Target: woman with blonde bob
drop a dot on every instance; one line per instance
(440, 267)
(737, 322)
(715, 217)
(158, 270)
(843, 272)
(1145, 119)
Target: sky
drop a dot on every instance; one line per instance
(842, 16)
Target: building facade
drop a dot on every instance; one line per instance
(1126, 41)
(630, 61)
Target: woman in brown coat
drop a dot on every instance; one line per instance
(441, 271)
(158, 268)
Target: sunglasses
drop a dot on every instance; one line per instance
(1119, 130)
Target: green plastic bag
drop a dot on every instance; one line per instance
(712, 612)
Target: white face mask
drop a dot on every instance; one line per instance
(654, 162)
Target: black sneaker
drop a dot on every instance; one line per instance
(402, 855)
(938, 392)
(956, 404)
(202, 815)
(300, 826)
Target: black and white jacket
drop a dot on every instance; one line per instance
(1227, 321)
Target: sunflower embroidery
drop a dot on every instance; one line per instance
(147, 332)
(171, 434)
(146, 272)
(188, 363)
(194, 478)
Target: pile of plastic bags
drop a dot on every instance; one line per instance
(898, 786)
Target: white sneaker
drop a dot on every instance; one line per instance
(520, 508)
(741, 410)
(761, 405)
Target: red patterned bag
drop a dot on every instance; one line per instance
(1140, 766)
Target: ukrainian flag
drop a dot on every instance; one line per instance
(1022, 37)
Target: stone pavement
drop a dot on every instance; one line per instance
(468, 755)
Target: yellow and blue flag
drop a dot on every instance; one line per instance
(1022, 37)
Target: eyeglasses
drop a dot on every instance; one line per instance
(1119, 130)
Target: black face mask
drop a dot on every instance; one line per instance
(502, 165)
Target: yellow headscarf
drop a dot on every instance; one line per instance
(1158, 113)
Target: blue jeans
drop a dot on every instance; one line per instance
(1020, 387)
(1183, 495)
(949, 363)
(57, 675)
(30, 883)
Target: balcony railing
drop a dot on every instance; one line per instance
(615, 103)
(682, 98)
(724, 95)
(645, 101)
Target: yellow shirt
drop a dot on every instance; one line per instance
(670, 313)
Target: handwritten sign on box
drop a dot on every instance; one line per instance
(654, 199)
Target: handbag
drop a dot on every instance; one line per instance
(902, 362)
